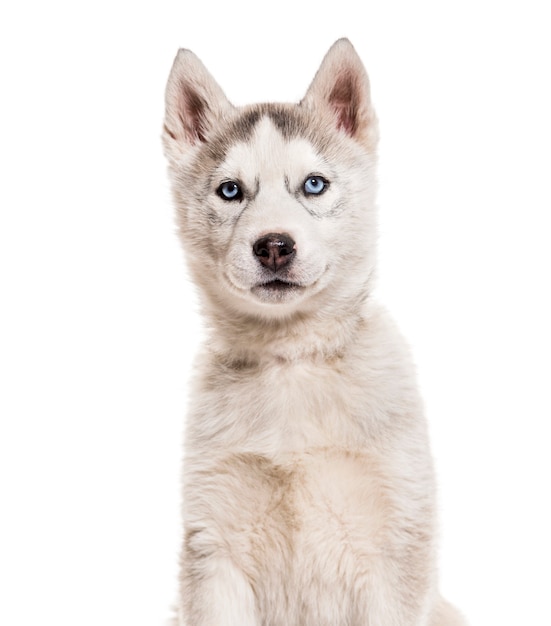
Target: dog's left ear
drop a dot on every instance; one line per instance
(341, 89)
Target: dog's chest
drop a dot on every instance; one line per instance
(280, 410)
(314, 522)
(288, 476)
(296, 492)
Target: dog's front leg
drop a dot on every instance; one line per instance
(215, 593)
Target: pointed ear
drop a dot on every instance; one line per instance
(341, 88)
(194, 104)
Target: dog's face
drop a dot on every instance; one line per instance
(275, 202)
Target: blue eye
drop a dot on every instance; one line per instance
(315, 185)
(230, 190)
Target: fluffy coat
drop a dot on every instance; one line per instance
(309, 496)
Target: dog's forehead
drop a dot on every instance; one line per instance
(268, 152)
(291, 120)
(287, 122)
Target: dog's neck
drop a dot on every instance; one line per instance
(240, 340)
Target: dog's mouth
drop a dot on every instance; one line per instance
(276, 290)
(277, 285)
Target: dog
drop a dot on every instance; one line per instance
(309, 495)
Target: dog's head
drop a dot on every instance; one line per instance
(275, 201)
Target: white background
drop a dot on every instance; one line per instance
(99, 324)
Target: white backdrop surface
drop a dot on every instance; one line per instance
(98, 321)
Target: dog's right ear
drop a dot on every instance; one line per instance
(194, 104)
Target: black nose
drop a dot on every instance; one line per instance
(274, 250)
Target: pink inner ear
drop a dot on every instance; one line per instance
(192, 113)
(345, 101)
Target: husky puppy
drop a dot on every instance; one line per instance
(308, 481)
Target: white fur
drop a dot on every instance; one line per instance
(308, 482)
